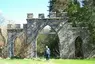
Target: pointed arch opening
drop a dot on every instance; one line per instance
(78, 48)
(17, 47)
(48, 37)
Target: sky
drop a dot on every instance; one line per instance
(80, 2)
(16, 10)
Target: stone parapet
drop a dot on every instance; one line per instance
(13, 26)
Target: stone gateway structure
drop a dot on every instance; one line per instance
(73, 41)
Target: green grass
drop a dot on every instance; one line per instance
(43, 61)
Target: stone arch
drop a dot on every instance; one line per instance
(12, 35)
(19, 45)
(78, 47)
(35, 25)
(54, 33)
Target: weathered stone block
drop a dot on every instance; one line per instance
(29, 15)
(41, 16)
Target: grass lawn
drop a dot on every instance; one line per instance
(43, 61)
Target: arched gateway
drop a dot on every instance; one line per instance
(66, 33)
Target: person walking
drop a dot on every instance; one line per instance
(47, 53)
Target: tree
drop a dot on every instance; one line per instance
(83, 16)
(50, 40)
(58, 6)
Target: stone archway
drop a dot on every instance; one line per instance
(34, 26)
(49, 37)
(12, 35)
(78, 48)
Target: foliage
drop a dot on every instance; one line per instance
(50, 40)
(58, 6)
(17, 47)
(20, 47)
(83, 16)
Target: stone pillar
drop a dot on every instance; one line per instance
(25, 32)
(11, 49)
(10, 45)
(32, 31)
(33, 49)
(67, 46)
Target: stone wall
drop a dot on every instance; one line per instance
(67, 36)
(66, 33)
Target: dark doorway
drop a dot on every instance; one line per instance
(78, 48)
